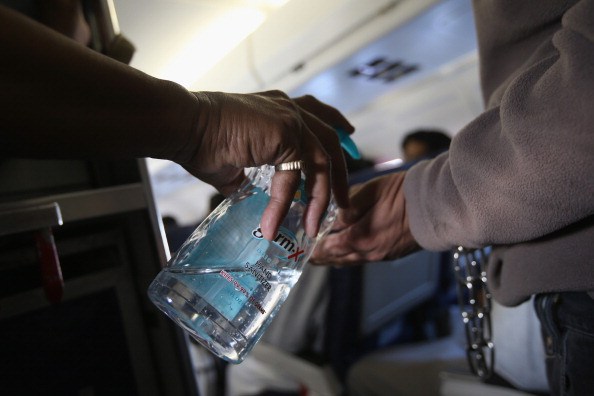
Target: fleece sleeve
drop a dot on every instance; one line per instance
(525, 167)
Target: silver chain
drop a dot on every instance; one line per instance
(475, 305)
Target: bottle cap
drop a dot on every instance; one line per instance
(347, 144)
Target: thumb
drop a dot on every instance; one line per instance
(360, 201)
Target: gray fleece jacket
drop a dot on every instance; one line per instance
(520, 177)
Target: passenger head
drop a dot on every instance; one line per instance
(424, 143)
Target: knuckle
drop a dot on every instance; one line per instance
(374, 255)
(277, 93)
(308, 99)
(324, 162)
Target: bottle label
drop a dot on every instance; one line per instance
(233, 308)
(286, 240)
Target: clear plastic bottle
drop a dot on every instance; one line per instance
(226, 283)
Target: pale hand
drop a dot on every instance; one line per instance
(374, 228)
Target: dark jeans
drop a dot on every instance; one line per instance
(567, 321)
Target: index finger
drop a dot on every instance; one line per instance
(282, 190)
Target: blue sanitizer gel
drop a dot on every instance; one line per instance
(226, 282)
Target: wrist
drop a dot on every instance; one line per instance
(184, 114)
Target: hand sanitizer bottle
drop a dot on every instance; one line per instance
(226, 283)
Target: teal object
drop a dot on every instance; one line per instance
(347, 144)
(226, 283)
